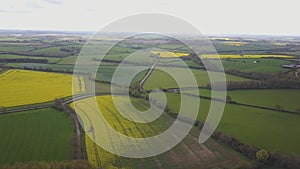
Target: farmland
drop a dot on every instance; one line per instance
(265, 118)
(270, 66)
(223, 56)
(50, 60)
(37, 135)
(287, 99)
(17, 87)
(200, 156)
(253, 126)
(160, 79)
(164, 54)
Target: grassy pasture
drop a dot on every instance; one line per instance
(188, 154)
(263, 66)
(270, 66)
(272, 130)
(21, 87)
(7, 56)
(70, 60)
(105, 73)
(160, 79)
(288, 99)
(42, 66)
(37, 135)
(15, 47)
(51, 51)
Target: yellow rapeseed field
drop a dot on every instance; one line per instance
(94, 124)
(214, 56)
(233, 43)
(169, 54)
(22, 87)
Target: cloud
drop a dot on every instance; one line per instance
(33, 5)
(55, 2)
(13, 11)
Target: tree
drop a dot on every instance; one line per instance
(279, 107)
(262, 155)
(228, 98)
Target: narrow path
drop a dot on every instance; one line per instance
(149, 72)
(46, 106)
(296, 74)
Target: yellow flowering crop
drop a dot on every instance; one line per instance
(169, 54)
(21, 87)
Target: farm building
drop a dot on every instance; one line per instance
(291, 66)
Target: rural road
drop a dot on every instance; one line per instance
(47, 106)
(149, 72)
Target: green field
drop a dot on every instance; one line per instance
(188, 154)
(36, 135)
(160, 79)
(288, 99)
(15, 47)
(272, 130)
(51, 51)
(269, 66)
(105, 73)
(7, 56)
(70, 60)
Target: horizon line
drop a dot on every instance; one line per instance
(93, 31)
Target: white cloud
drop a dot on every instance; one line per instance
(213, 16)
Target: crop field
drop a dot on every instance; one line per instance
(105, 73)
(7, 56)
(51, 51)
(270, 66)
(36, 135)
(41, 66)
(234, 43)
(70, 60)
(15, 47)
(164, 54)
(222, 56)
(188, 154)
(176, 62)
(263, 128)
(160, 79)
(21, 87)
(287, 99)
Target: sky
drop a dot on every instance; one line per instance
(263, 17)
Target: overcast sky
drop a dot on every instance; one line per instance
(210, 16)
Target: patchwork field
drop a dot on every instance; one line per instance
(21, 87)
(164, 54)
(160, 79)
(272, 130)
(287, 99)
(270, 66)
(50, 59)
(37, 135)
(222, 56)
(188, 154)
(234, 43)
(105, 73)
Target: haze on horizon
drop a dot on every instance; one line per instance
(210, 17)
